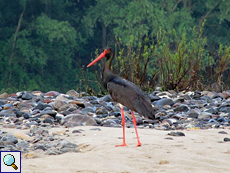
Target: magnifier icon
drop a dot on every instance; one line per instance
(9, 160)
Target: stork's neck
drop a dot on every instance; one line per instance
(108, 63)
(107, 73)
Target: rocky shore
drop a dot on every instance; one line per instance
(34, 114)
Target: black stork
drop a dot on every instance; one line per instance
(125, 93)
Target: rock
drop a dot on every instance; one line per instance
(26, 116)
(154, 97)
(222, 119)
(212, 110)
(52, 93)
(59, 133)
(101, 110)
(47, 100)
(226, 139)
(48, 120)
(38, 131)
(163, 162)
(21, 135)
(193, 114)
(24, 108)
(107, 98)
(163, 101)
(222, 132)
(7, 106)
(95, 129)
(225, 107)
(10, 138)
(49, 112)
(176, 134)
(88, 109)
(168, 138)
(41, 106)
(164, 94)
(59, 117)
(181, 108)
(67, 146)
(4, 95)
(139, 121)
(207, 99)
(27, 96)
(23, 145)
(73, 120)
(40, 147)
(212, 94)
(205, 115)
(61, 97)
(73, 93)
(198, 103)
(109, 123)
(225, 94)
(51, 152)
(76, 131)
(77, 103)
(187, 97)
(37, 93)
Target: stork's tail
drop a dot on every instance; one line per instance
(147, 109)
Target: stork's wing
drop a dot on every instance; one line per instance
(129, 95)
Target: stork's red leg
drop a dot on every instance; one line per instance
(135, 125)
(123, 124)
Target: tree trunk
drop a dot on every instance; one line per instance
(189, 4)
(103, 35)
(185, 5)
(13, 46)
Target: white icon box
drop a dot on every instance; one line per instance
(10, 161)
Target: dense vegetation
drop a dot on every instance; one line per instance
(178, 44)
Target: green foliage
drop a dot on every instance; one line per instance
(178, 65)
(44, 43)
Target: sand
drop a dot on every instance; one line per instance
(198, 151)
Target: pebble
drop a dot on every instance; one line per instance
(76, 131)
(21, 135)
(168, 138)
(226, 139)
(96, 129)
(60, 133)
(163, 101)
(9, 138)
(176, 134)
(163, 162)
(222, 132)
(73, 120)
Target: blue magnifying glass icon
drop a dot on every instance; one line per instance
(9, 160)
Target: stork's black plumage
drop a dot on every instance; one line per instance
(124, 92)
(129, 95)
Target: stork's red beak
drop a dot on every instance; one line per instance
(102, 55)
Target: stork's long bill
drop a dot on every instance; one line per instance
(102, 55)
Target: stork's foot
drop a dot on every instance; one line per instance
(122, 145)
(139, 144)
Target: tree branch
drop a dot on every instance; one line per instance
(14, 43)
(207, 14)
(176, 5)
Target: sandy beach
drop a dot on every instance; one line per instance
(198, 151)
